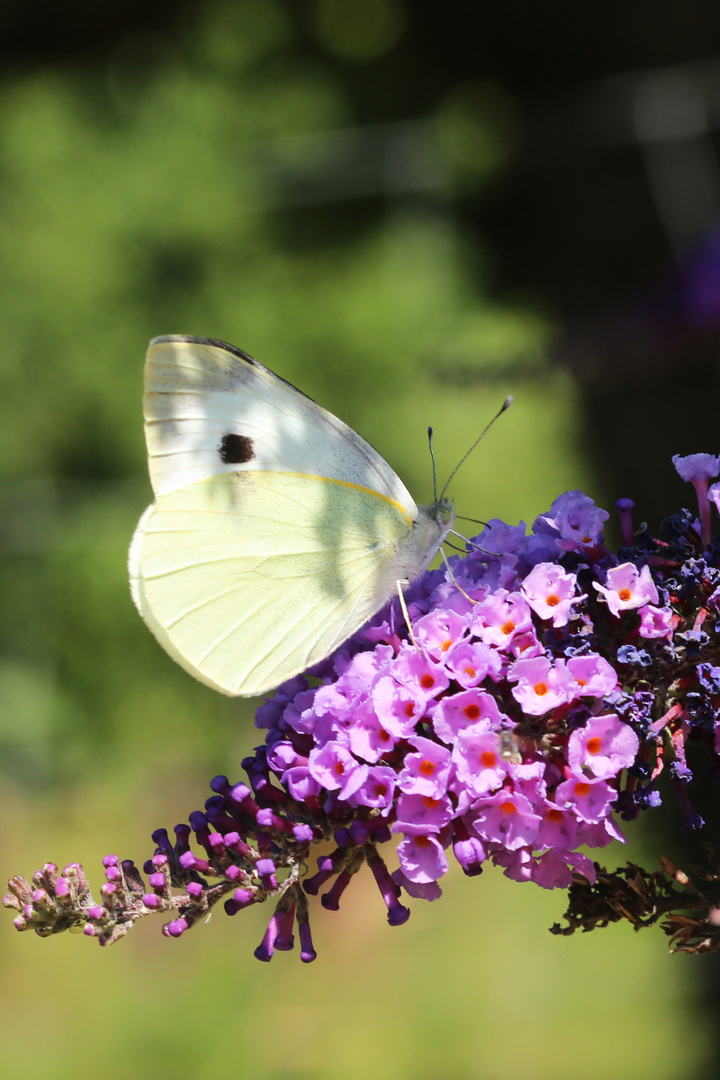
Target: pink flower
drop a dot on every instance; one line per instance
(437, 632)
(590, 800)
(540, 685)
(418, 814)
(592, 674)
(300, 783)
(427, 890)
(469, 662)
(507, 818)
(550, 592)
(626, 588)
(478, 760)
(656, 622)
(554, 871)
(471, 854)
(377, 789)
(336, 769)
(551, 872)
(397, 708)
(422, 858)
(603, 747)
(469, 709)
(422, 676)
(367, 737)
(499, 618)
(525, 645)
(427, 771)
(558, 829)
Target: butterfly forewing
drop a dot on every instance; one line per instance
(210, 408)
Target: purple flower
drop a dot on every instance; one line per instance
(574, 521)
(698, 469)
(694, 467)
(558, 828)
(422, 858)
(516, 719)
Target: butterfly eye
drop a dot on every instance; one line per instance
(235, 449)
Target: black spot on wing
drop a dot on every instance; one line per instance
(235, 449)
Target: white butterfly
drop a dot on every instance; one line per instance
(276, 531)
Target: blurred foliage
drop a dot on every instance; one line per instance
(159, 195)
(198, 185)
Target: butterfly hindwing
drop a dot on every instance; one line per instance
(248, 576)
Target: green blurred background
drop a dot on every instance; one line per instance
(409, 210)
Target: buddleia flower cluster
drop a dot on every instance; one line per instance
(539, 690)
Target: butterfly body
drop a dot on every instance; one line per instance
(277, 531)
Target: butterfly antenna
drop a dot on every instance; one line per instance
(475, 521)
(505, 405)
(432, 458)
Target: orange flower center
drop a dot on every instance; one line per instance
(552, 600)
(540, 688)
(508, 627)
(624, 594)
(508, 808)
(594, 745)
(488, 760)
(427, 768)
(472, 711)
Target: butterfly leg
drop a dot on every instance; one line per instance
(454, 580)
(401, 584)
